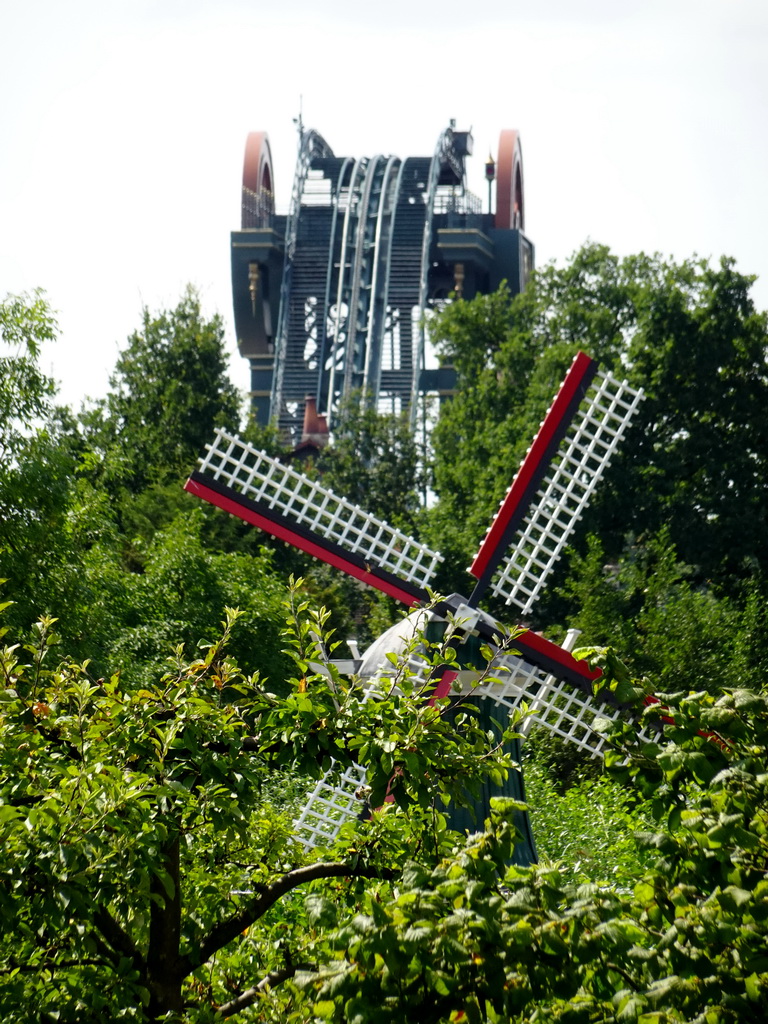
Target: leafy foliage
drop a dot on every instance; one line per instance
(26, 322)
(375, 460)
(588, 830)
(168, 392)
(647, 604)
(148, 866)
(143, 873)
(137, 851)
(687, 333)
(474, 940)
(128, 563)
(35, 472)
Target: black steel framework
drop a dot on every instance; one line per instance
(368, 247)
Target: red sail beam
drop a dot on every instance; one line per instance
(274, 523)
(534, 468)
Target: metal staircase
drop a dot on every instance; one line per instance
(397, 369)
(353, 293)
(366, 250)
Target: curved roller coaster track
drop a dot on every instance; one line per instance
(331, 300)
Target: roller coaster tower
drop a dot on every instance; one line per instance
(331, 299)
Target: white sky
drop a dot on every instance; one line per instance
(122, 126)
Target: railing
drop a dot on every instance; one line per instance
(258, 208)
(454, 200)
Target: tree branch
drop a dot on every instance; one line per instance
(117, 937)
(53, 965)
(228, 930)
(630, 980)
(250, 995)
(110, 955)
(250, 744)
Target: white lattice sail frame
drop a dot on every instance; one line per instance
(329, 805)
(277, 487)
(552, 704)
(582, 458)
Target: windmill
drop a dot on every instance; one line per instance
(552, 487)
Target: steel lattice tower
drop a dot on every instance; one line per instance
(331, 299)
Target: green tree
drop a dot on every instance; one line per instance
(169, 391)
(125, 571)
(36, 472)
(26, 322)
(473, 940)
(688, 334)
(375, 461)
(145, 855)
(647, 604)
(181, 595)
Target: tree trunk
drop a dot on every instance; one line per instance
(163, 973)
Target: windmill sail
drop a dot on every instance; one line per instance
(554, 484)
(331, 803)
(250, 484)
(556, 690)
